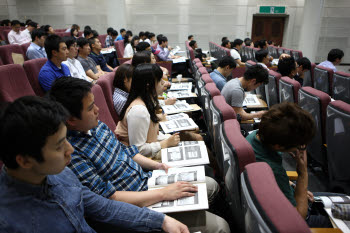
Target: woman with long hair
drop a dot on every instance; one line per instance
(129, 45)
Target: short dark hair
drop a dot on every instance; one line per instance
(95, 34)
(70, 92)
(224, 38)
(261, 43)
(227, 61)
(87, 27)
(159, 37)
(334, 54)
(287, 125)
(52, 43)
(190, 36)
(261, 54)
(141, 34)
(92, 41)
(140, 58)
(224, 43)
(142, 46)
(147, 33)
(247, 41)
(5, 22)
(70, 41)
(114, 33)
(150, 35)
(46, 28)
(122, 30)
(270, 42)
(132, 42)
(305, 62)
(257, 72)
(286, 66)
(28, 21)
(38, 33)
(15, 22)
(237, 42)
(87, 32)
(109, 30)
(192, 43)
(123, 71)
(162, 39)
(33, 24)
(130, 32)
(81, 42)
(25, 126)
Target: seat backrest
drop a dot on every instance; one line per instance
(196, 60)
(202, 81)
(24, 49)
(191, 53)
(338, 146)
(208, 92)
(236, 153)
(288, 90)
(102, 39)
(13, 83)
(166, 64)
(8, 51)
(316, 102)
(249, 63)
(341, 86)
(323, 79)
(106, 84)
(272, 88)
(100, 101)
(119, 47)
(273, 51)
(297, 54)
(266, 209)
(32, 69)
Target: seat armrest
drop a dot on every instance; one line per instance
(325, 230)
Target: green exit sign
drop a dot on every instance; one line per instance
(272, 9)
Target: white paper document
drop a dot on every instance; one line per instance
(175, 51)
(105, 51)
(179, 106)
(179, 60)
(188, 153)
(180, 86)
(176, 125)
(251, 100)
(181, 94)
(177, 116)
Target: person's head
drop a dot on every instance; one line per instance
(76, 96)
(95, 44)
(142, 46)
(163, 41)
(303, 65)
(190, 38)
(152, 37)
(84, 46)
(226, 65)
(38, 37)
(247, 41)
(237, 43)
(56, 48)
(94, 34)
(49, 30)
(87, 27)
(129, 32)
(76, 26)
(114, 34)
(226, 44)
(74, 32)
(127, 38)
(223, 39)
(141, 57)
(16, 25)
(32, 25)
(28, 21)
(123, 77)
(287, 67)
(262, 56)
(6, 22)
(146, 34)
(286, 127)
(147, 84)
(193, 44)
(142, 35)
(122, 32)
(255, 76)
(109, 31)
(335, 56)
(262, 44)
(159, 37)
(33, 136)
(135, 41)
(270, 42)
(72, 47)
(88, 33)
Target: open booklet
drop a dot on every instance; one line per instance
(187, 153)
(177, 116)
(176, 125)
(175, 51)
(251, 100)
(179, 106)
(327, 202)
(180, 86)
(181, 94)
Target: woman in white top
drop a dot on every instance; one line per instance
(129, 49)
(75, 67)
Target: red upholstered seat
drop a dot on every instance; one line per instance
(119, 47)
(268, 209)
(166, 64)
(196, 60)
(6, 52)
(323, 79)
(102, 39)
(24, 49)
(13, 83)
(288, 90)
(32, 69)
(341, 86)
(206, 78)
(208, 92)
(203, 70)
(297, 54)
(249, 63)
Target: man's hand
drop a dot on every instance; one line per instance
(260, 114)
(170, 101)
(310, 196)
(301, 159)
(173, 226)
(178, 190)
(170, 48)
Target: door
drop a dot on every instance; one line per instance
(269, 28)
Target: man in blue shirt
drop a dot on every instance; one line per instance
(53, 69)
(97, 56)
(39, 194)
(36, 48)
(122, 34)
(219, 75)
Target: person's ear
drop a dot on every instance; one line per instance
(54, 53)
(72, 121)
(25, 162)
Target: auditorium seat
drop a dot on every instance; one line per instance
(288, 90)
(32, 69)
(273, 51)
(100, 101)
(254, 50)
(208, 92)
(236, 154)
(166, 64)
(196, 60)
(265, 207)
(10, 52)
(280, 50)
(201, 70)
(106, 84)
(102, 39)
(316, 102)
(271, 89)
(119, 47)
(323, 79)
(341, 86)
(24, 49)
(13, 83)
(309, 76)
(203, 80)
(221, 112)
(297, 54)
(338, 146)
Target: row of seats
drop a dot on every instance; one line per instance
(9, 53)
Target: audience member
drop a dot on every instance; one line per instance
(142, 36)
(286, 127)
(164, 49)
(109, 39)
(129, 49)
(48, 29)
(219, 75)
(129, 32)
(234, 90)
(53, 69)
(197, 51)
(303, 66)
(223, 39)
(38, 190)
(73, 26)
(91, 69)
(94, 34)
(262, 44)
(74, 33)
(190, 38)
(151, 38)
(288, 67)
(97, 56)
(236, 47)
(333, 59)
(88, 33)
(122, 34)
(6, 22)
(16, 36)
(270, 42)
(262, 58)
(75, 68)
(36, 48)
(28, 31)
(122, 85)
(247, 41)
(226, 44)
(142, 46)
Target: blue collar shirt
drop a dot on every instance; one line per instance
(34, 51)
(50, 72)
(218, 79)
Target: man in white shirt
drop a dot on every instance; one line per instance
(236, 47)
(262, 57)
(27, 32)
(15, 36)
(333, 59)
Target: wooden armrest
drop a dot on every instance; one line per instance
(325, 230)
(293, 175)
